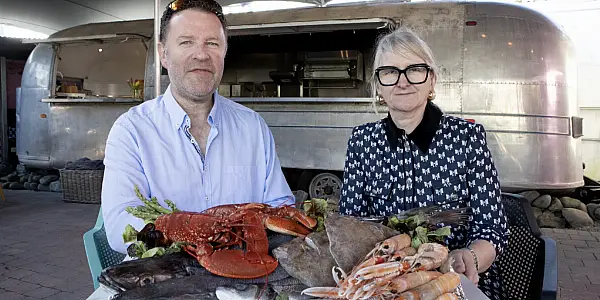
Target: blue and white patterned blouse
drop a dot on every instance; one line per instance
(445, 161)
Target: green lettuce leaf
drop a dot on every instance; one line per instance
(156, 251)
(130, 234)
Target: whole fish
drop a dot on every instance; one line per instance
(178, 289)
(428, 216)
(147, 272)
(132, 274)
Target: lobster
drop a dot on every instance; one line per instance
(208, 235)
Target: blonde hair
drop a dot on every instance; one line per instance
(400, 41)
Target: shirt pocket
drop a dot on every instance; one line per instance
(451, 193)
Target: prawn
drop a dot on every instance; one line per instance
(447, 296)
(445, 283)
(430, 256)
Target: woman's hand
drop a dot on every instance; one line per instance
(463, 263)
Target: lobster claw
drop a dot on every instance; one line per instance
(288, 220)
(239, 264)
(286, 226)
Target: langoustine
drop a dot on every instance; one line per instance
(394, 270)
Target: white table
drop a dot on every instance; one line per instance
(471, 291)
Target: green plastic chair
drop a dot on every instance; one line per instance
(99, 253)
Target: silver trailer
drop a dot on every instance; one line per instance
(305, 71)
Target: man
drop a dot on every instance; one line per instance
(190, 145)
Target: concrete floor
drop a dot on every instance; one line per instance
(41, 247)
(42, 254)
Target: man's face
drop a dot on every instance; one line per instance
(194, 53)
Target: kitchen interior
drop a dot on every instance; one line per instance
(96, 70)
(306, 65)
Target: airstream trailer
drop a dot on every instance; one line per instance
(305, 71)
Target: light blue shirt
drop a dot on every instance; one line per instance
(150, 146)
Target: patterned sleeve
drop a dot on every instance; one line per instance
(489, 222)
(351, 201)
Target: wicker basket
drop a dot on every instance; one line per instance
(81, 186)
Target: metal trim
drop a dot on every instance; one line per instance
(97, 38)
(3, 104)
(90, 100)
(311, 23)
(301, 100)
(577, 126)
(157, 64)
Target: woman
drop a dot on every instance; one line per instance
(418, 156)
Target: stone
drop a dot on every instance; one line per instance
(596, 214)
(36, 178)
(56, 187)
(577, 218)
(48, 179)
(530, 195)
(591, 208)
(16, 186)
(349, 247)
(555, 206)
(10, 177)
(542, 202)
(548, 220)
(536, 211)
(43, 187)
(21, 170)
(569, 202)
(6, 185)
(24, 179)
(308, 259)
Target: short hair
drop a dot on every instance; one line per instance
(209, 6)
(400, 41)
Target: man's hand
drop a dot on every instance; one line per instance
(463, 263)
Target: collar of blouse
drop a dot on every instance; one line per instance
(422, 135)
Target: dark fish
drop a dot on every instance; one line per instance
(132, 274)
(140, 273)
(435, 214)
(178, 289)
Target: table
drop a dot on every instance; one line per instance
(471, 291)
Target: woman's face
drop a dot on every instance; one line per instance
(404, 96)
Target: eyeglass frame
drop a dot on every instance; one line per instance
(402, 71)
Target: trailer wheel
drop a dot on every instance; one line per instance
(324, 184)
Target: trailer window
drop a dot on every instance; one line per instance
(300, 62)
(99, 68)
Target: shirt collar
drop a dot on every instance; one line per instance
(179, 116)
(423, 134)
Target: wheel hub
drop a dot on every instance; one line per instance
(325, 184)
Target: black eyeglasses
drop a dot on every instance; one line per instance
(390, 75)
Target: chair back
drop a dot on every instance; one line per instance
(523, 263)
(99, 253)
